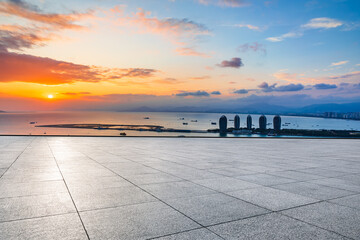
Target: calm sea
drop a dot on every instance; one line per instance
(19, 123)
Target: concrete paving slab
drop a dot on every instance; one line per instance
(340, 219)
(9, 188)
(97, 198)
(272, 226)
(312, 190)
(337, 183)
(112, 180)
(265, 179)
(181, 189)
(35, 206)
(61, 227)
(216, 208)
(350, 201)
(202, 233)
(141, 221)
(271, 198)
(226, 184)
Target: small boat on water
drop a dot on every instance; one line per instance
(32, 122)
(193, 120)
(181, 118)
(122, 134)
(213, 123)
(185, 123)
(146, 118)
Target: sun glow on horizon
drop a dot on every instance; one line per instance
(50, 96)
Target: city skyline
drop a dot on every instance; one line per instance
(118, 55)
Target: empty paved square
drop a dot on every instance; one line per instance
(178, 188)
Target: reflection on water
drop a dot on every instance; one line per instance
(19, 123)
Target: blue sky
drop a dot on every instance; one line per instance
(178, 50)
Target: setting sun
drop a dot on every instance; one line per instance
(50, 96)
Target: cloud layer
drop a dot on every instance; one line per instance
(16, 67)
(232, 63)
(315, 23)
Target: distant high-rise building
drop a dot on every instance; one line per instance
(262, 122)
(249, 122)
(277, 123)
(223, 124)
(237, 122)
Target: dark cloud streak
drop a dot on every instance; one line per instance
(233, 63)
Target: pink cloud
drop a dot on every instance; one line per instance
(190, 52)
(22, 10)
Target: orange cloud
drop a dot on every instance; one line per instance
(200, 78)
(75, 93)
(190, 52)
(16, 67)
(286, 76)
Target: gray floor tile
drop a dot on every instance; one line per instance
(272, 199)
(177, 190)
(323, 172)
(61, 227)
(231, 171)
(140, 221)
(87, 199)
(96, 182)
(340, 219)
(202, 233)
(152, 178)
(300, 176)
(226, 184)
(328, 170)
(216, 208)
(350, 201)
(337, 183)
(353, 178)
(2, 171)
(272, 226)
(265, 179)
(312, 190)
(35, 206)
(9, 188)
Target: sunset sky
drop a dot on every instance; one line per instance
(124, 54)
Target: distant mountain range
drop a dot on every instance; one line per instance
(259, 108)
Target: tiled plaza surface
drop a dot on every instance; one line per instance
(179, 188)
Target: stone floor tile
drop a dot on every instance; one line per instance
(333, 217)
(141, 221)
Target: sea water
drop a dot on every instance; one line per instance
(18, 123)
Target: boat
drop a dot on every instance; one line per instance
(181, 118)
(122, 134)
(146, 118)
(213, 123)
(185, 123)
(193, 120)
(32, 122)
